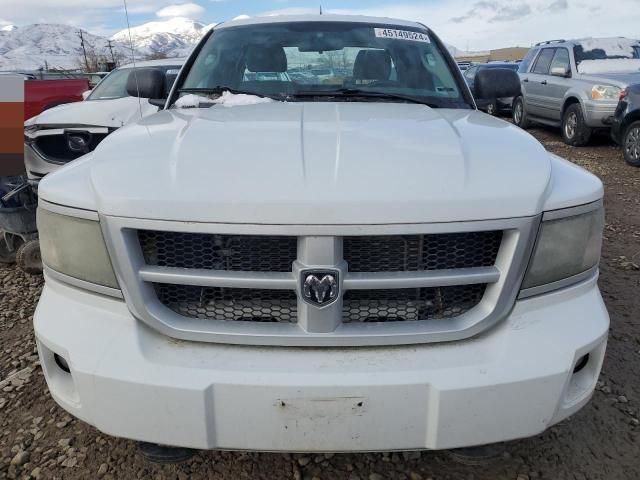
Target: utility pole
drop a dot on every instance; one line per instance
(84, 50)
(113, 59)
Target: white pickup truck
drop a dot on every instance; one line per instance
(359, 263)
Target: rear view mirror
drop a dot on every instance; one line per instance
(560, 72)
(491, 83)
(146, 83)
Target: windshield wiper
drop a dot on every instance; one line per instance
(219, 90)
(356, 92)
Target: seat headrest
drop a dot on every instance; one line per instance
(372, 65)
(266, 59)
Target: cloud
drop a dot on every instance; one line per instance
(189, 10)
(494, 11)
(511, 12)
(558, 5)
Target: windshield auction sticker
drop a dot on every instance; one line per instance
(402, 35)
(11, 125)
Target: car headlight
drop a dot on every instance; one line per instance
(566, 246)
(605, 92)
(75, 247)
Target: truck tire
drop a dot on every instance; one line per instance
(519, 114)
(575, 131)
(29, 259)
(9, 245)
(631, 144)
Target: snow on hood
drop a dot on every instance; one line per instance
(227, 99)
(612, 47)
(617, 65)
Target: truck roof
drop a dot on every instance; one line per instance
(316, 18)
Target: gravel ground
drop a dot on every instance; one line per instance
(39, 440)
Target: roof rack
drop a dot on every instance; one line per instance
(550, 41)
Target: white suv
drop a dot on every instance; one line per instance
(370, 265)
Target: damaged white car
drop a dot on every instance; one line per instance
(65, 133)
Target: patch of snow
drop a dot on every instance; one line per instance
(612, 47)
(192, 101)
(174, 37)
(30, 47)
(614, 65)
(8, 28)
(227, 99)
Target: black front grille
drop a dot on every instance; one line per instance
(410, 304)
(218, 252)
(56, 147)
(231, 304)
(411, 253)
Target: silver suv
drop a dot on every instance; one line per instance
(576, 84)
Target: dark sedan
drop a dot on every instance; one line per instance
(492, 107)
(626, 124)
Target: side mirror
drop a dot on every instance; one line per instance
(560, 72)
(491, 83)
(147, 83)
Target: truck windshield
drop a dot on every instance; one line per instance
(317, 61)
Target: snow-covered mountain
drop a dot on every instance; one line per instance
(33, 46)
(174, 37)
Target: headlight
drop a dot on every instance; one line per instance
(566, 247)
(75, 247)
(605, 92)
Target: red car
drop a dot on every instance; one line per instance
(40, 95)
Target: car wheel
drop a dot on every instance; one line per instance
(492, 109)
(519, 114)
(575, 131)
(28, 257)
(631, 144)
(9, 245)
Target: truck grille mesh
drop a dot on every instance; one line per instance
(218, 252)
(411, 253)
(410, 304)
(233, 304)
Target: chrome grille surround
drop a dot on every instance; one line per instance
(321, 247)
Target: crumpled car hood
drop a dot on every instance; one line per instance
(113, 113)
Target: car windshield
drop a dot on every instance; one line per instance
(325, 60)
(114, 85)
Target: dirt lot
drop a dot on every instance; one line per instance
(39, 440)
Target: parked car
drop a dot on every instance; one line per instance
(494, 105)
(41, 95)
(65, 133)
(365, 266)
(575, 84)
(626, 124)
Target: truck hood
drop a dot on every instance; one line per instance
(98, 113)
(311, 163)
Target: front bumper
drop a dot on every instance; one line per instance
(513, 381)
(600, 114)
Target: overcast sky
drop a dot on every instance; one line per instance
(480, 24)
